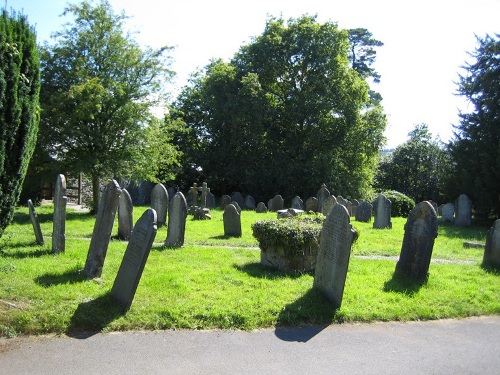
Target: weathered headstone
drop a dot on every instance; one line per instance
(250, 202)
(261, 208)
(193, 196)
(421, 230)
(328, 205)
(337, 237)
(298, 203)
(171, 192)
(382, 208)
(491, 256)
(232, 221)
(277, 203)
(224, 201)
(312, 204)
(448, 212)
(59, 220)
(134, 259)
(463, 211)
(204, 192)
(210, 199)
(238, 208)
(355, 204)
(177, 214)
(364, 212)
(35, 222)
(108, 205)
(125, 216)
(159, 203)
(322, 195)
(238, 198)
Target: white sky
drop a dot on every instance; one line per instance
(425, 42)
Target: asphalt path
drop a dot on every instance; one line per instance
(463, 346)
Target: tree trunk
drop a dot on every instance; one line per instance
(95, 193)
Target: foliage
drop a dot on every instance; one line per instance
(19, 111)
(285, 115)
(401, 204)
(475, 149)
(99, 91)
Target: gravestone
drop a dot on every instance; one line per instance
(421, 230)
(238, 208)
(238, 198)
(171, 192)
(232, 221)
(297, 203)
(261, 208)
(312, 204)
(364, 212)
(192, 198)
(382, 208)
(349, 207)
(463, 211)
(250, 202)
(210, 200)
(140, 192)
(224, 201)
(341, 200)
(277, 203)
(159, 203)
(59, 219)
(322, 196)
(491, 256)
(337, 236)
(328, 205)
(177, 214)
(35, 222)
(355, 204)
(125, 216)
(204, 192)
(135, 257)
(448, 212)
(108, 205)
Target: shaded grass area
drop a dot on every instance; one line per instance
(218, 282)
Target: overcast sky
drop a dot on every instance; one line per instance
(425, 42)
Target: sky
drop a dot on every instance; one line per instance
(426, 43)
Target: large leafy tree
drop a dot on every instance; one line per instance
(476, 147)
(286, 114)
(99, 89)
(19, 111)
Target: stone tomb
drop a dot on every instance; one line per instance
(491, 255)
(59, 220)
(125, 216)
(159, 203)
(134, 259)
(448, 212)
(463, 211)
(35, 222)
(177, 214)
(232, 221)
(337, 237)
(108, 205)
(421, 230)
(364, 212)
(382, 208)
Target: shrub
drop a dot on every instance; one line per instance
(401, 204)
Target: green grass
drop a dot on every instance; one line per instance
(218, 282)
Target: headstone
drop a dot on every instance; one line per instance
(355, 204)
(349, 207)
(382, 208)
(312, 204)
(59, 220)
(250, 202)
(108, 205)
(224, 201)
(159, 203)
(364, 212)
(328, 205)
(177, 214)
(421, 230)
(337, 236)
(463, 211)
(171, 192)
(270, 205)
(277, 203)
(210, 200)
(193, 195)
(261, 208)
(232, 221)
(204, 192)
(238, 198)
(341, 200)
(140, 192)
(36, 223)
(134, 259)
(125, 216)
(238, 208)
(448, 212)
(491, 256)
(297, 203)
(322, 196)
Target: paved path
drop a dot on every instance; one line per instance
(464, 346)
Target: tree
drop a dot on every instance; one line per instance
(362, 53)
(98, 92)
(19, 110)
(475, 149)
(285, 115)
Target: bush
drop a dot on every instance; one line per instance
(401, 204)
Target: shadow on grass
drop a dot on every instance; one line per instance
(475, 232)
(263, 272)
(23, 254)
(222, 237)
(306, 317)
(403, 285)
(92, 317)
(73, 276)
(491, 269)
(22, 218)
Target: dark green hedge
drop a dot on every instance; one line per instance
(401, 203)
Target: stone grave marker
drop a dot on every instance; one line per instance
(448, 212)
(463, 211)
(232, 221)
(337, 236)
(322, 195)
(238, 198)
(364, 212)
(250, 202)
(328, 205)
(298, 203)
(355, 204)
(35, 222)
(177, 214)
(238, 208)
(59, 219)
(125, 216)
(210, 199)
(108, 205)
(171, 192)
(225, 200)
(312, 204)
(159, 203)
(192, 198)
(382, 208)
(277, 203)
(421, 230)
(491, 256)
(261, 208)
(134, 259)
(204, 192)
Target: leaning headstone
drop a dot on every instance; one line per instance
(238, 198)
(159, 203)
(108, 205)
(337, 237)
(277, 203)
(134, 259)
(328, 205)
(312, 204)
(297, 203)
(177, 214)
(364, 212)
(224, 201)
(491, 256)
(210, 200)
(448, 212)
(322, 196)
(125, 216)
(250, 202)
(232, 221)
(382, 208)
(35, 222)
(261, 208)
(421, 230)
(59, 220)
(463, 211)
